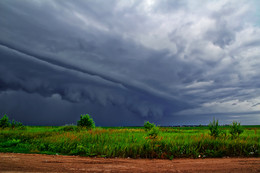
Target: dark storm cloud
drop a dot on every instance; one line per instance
(74, 84)
(144, 59)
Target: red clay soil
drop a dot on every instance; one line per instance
(10, 162)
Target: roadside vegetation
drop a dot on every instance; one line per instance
(6, 123)
(135, 142)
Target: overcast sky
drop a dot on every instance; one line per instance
(123, 62)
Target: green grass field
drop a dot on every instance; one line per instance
(172, 142)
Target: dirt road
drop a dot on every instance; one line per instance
(10, 162)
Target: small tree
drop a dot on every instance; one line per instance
(4, 122)
(86, 121)
(235, 129)
(153, 132)
(148, 126)
(214, 128)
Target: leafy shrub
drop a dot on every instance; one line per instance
(235, 129)
(15, 124)
(214, 128)
(153, 132)
(148, 126)
(86, 121)
(10, 143)
(4, 122)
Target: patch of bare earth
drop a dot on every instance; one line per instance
(11, 162)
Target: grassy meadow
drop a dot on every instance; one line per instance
(133, 142)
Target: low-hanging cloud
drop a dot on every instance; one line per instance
(150, 59)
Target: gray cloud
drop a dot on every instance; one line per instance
(146, 59)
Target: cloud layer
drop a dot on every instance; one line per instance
(166, 61)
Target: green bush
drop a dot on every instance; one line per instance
(4, 122)
(153, 132)
(151, 129)
(15, 124)
(214, 128)
(86, 121)
(148, 126)
(235, 129)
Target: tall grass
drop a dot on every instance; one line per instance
(130, 142)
